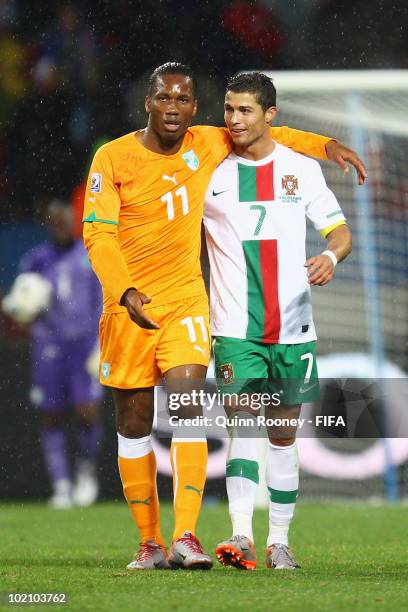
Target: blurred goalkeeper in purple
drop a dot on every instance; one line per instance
(59, 294)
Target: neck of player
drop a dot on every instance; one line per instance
(258, 149)
(159, 144)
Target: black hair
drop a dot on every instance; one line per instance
(255, 83)
(172, 68)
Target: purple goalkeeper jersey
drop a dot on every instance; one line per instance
(76, 299)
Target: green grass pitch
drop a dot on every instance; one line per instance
(352, 557)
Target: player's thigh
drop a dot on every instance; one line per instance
(185, 337)
(128, 358)
(293, 373)
(83, 389)
(48, 391)
(188, 381)
(241, 367)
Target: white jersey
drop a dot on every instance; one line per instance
(255, 221)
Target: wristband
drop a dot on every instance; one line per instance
(332, 257)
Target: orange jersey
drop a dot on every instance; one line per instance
(143, 211)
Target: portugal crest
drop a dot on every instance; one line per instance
(227, 373)
(290, 183)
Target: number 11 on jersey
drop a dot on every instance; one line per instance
(168, 198)
(189, 323)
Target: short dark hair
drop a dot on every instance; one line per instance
(172, 68)
(256, 83)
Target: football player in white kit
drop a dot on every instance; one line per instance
(256, 208)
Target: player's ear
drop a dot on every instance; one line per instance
(148, 102)
(270, 114)
(195, 108)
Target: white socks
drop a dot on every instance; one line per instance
(133, 448)
(242, 477)
(282, 479)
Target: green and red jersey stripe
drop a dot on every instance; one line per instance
(264, 320)
(255, 183)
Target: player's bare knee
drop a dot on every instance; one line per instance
(283, 430)
(133, 423)
(134, 412)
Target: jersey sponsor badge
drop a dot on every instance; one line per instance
(105, 369)
(226, 373)
(96, 182)
(290, 183)
(191, 160)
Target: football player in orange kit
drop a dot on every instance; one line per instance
(142, 221)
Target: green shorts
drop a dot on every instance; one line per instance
(245, 366)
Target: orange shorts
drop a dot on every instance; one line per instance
(134, 358)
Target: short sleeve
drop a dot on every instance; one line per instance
(306, 143)
(322, 207)
(217, 139)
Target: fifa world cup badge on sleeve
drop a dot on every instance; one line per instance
(96, 182)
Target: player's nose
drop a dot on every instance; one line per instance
(172, 108)
(236, 118)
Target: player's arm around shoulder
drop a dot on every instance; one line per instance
(306, 143)
(216, 139)
(341, 155)
(321, 147)
(321, 267)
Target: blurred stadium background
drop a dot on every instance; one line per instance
(74, 74)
